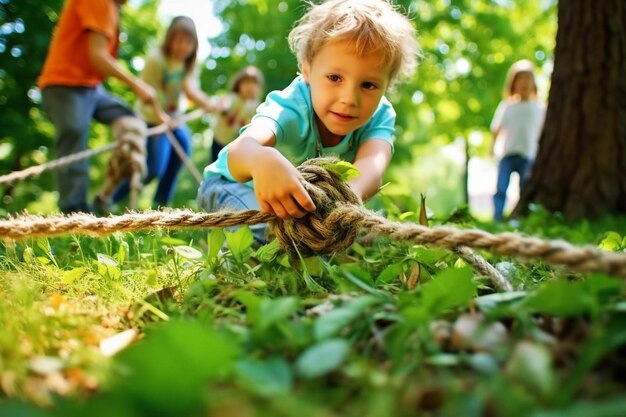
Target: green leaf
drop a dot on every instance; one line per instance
(188, 252)
(267, 253)
(252, 303)
(343, 169)
(216, 241)
(273, 311)
(430, 256)
(107, 266)
(284, 261)
(171, 241)
(43, 260)
(72, 275)
(611, 242)
(29, 255)
(607, 407)
(357, 281)
(120, 257)
(265, 377)
(313, 265)
(602, 286)
(448, 289)
(182, 351)
(44, 245)
(331, 323)
(239, 241)
(390, 273)
(322, 358)
(560, 297)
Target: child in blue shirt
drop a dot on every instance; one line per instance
(349, 53)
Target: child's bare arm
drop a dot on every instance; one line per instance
(372, 159)
(162, 115)
(277, 183)
(496, 133)
(108, 66)
(193, 91)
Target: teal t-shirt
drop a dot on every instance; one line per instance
(289, 115)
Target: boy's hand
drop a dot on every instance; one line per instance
(278, 186)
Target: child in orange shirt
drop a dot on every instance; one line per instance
(82, 53)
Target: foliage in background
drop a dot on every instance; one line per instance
(26, 135)
(468, 46)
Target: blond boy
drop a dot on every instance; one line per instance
(349, 53)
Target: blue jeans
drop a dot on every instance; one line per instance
(508, 165)
(163, 163)
(217, 193)
(71, 109)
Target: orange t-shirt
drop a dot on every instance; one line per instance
(67, 63)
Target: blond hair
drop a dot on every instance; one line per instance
(373, 26)
(519, 67)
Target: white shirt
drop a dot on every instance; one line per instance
(520, 125)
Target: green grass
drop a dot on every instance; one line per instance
(382, 329)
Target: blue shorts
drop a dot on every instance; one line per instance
(218, 193)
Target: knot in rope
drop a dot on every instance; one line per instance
(129, 155)
(325, 230)
(128, 160)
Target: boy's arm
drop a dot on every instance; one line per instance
(372, 159)
(108, 66)
(277, 183)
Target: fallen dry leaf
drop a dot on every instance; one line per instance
(114, 344)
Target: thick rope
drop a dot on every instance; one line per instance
(55, 164)
(128, 160)
(88, 153)
(21, 227)
(555, 252)
(331, 228)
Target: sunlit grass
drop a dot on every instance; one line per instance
(374, 330)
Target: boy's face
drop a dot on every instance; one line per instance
(345, 88)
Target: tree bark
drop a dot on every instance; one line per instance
(580, 169)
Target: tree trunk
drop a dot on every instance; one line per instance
(580, 169)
